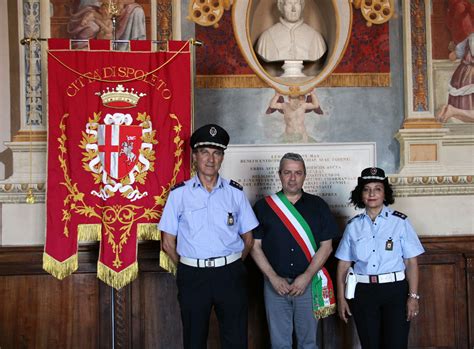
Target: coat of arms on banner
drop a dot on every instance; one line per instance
(119, 154)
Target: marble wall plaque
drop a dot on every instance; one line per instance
(332, 170)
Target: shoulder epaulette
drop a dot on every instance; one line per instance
(399, 215)
(181, 184)
(356, 216)
(236, 185)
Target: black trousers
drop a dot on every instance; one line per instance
(380, 315)
(225, 289)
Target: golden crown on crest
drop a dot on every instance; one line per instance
(120, 97)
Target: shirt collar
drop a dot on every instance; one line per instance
(197, 182)
(301, 197)
(385, 213)
(290, 25)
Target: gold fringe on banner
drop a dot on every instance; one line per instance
(114, 279)
(89, 232)
(333, 80)
(148, 231)
(60, 269)
(325, 312)
(167, 264)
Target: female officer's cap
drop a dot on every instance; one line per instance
(372, 174)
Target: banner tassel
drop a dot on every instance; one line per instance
(89, 232)
(148, 231)
(114, 279)
(167, 264)
(60, 269)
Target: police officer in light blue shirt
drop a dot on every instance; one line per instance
(207, 227)
(382, 246)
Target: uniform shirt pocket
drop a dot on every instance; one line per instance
(362, 248)
(194, 219)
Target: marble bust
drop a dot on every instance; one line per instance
(291, 40)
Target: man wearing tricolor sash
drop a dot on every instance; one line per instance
(292, 243)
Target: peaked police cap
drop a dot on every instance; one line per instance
(211, 136)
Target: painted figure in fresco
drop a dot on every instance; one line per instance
(290, 39)
(461, 87)
(294, 110)
(90, 19)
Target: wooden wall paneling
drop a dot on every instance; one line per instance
(39, 311)
(335, 334)
(470, 296)
(156, 319)
(442, 319)
(258, 336)
(155, 312)
(105, 324)
(121, 318)
(462, 244)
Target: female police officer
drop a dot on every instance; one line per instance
(383, 246)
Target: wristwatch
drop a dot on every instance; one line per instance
(414, 295)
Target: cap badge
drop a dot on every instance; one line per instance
(373, 171)
(213, 131)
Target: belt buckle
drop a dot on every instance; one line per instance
(373, 279)
(209, 263)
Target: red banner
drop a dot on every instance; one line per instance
(118, 131)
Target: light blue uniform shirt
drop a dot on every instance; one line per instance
(200, 220)
(364, 242)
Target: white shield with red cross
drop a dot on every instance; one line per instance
(119, 148)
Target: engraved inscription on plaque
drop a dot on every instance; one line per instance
(332, 170)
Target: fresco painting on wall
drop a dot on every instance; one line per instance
(294, 110)
(459, 24)
(92, 19)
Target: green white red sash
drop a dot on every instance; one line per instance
(324, 302)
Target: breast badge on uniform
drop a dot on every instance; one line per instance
(236, 185)
(230, 219)
(399, 215)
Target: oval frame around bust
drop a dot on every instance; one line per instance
(332, 18)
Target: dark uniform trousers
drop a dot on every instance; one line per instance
(380, 314)
(225, 289)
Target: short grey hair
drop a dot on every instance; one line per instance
(280, 4)
(294, 157)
